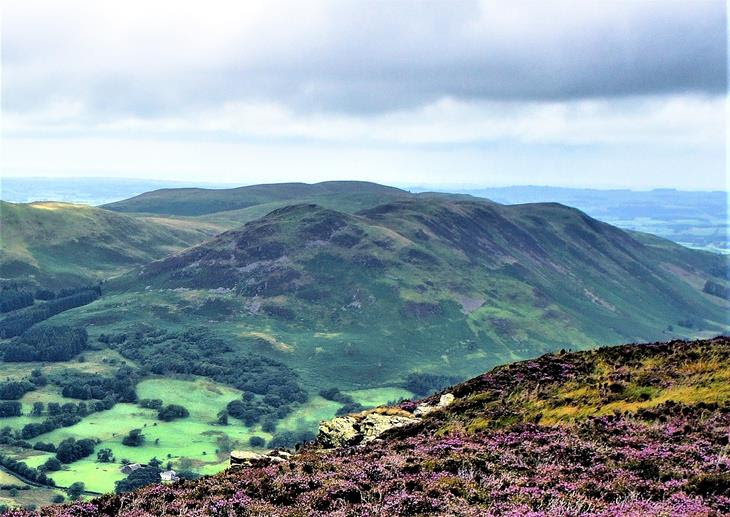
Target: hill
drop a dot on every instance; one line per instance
(53, 245)
(198, 201)
(630, 430)
(692, 218)
(360, 300)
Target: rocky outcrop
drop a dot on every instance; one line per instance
(254, 459)
(365, 427)
(424, 409)
(360, 428)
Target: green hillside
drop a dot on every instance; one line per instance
(429, 285)
(351, 196)
(53, 244)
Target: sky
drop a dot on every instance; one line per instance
(462, 93)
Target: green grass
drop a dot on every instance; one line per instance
(197, 437)
(55, 245)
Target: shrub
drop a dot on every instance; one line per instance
(256, 441)
(135, 438)
(172, 412)
(70, 450)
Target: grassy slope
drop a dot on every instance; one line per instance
(62, 244)
(642, 430)
(446, 286)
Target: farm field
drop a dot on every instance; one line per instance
(196, 441)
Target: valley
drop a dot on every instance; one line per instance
(262, 311)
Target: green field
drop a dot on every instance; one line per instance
(197, 438)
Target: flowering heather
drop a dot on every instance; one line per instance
(635, 430)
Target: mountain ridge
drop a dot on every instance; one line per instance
(505, 282)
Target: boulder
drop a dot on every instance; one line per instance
(254, 459)
(375, 424)
(360, 428)
(446, 399)
(338, 432)
(424, 409)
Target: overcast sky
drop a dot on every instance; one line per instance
(570, 93)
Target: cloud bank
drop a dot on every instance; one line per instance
(492, 78)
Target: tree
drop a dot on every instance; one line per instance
(154, 462)
(75, 490)
(256, 441)
(12, 300)
(151, 403)
(135, 438)
(13, 390)
(52, 465)
(172, 412)
(223, 417)
(141, 477)
(10, 408)
(37, 409)
(70, 450)
(105, 456)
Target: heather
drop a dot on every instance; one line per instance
(633, 430)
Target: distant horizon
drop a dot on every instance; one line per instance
(212, 184)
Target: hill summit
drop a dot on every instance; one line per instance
(629, 430)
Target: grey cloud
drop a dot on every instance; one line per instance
(375, 57)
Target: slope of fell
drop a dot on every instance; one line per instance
(642, 430)
(434, 285)
(60, 244)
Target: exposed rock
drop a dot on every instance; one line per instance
(361, 428)
(424, 409)
(446, 399)
(254, 459)
(375, 424)
(245, 458)
(338, 432)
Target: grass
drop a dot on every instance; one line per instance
(652, 382)
(197, 438)
(62, 244)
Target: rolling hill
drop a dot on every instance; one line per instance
(198, 201)
(630, 430)
(54, 245)
(425, 285)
